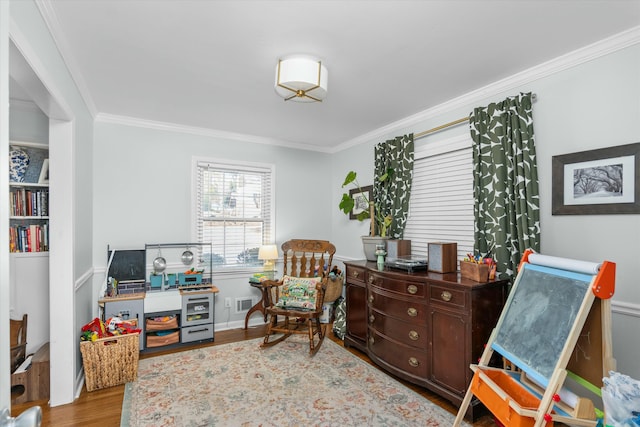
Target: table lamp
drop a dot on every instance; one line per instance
(268, 253)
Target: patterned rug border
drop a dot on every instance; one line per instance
(372, 370)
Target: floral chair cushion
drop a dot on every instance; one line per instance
(298, 293)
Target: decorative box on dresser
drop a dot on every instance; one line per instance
(424, 327)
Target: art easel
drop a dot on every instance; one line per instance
(555, 323)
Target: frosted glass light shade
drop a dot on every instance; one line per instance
(301, 79)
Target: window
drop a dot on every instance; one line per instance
(234, 211)
(441, 205)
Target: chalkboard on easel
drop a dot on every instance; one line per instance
(539, 317)
(556, 326)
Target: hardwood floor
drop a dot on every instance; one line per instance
(102, 407)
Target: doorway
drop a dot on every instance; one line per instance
(29, 77)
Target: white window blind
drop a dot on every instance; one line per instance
(441, 205)
(234, 211)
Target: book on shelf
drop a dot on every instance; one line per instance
(31, 238)
(25, 202)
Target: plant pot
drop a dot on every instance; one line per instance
(369, 244)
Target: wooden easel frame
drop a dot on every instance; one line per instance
(591, 327)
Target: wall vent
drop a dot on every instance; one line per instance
(243, 304)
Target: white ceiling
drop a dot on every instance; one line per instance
(211, 64)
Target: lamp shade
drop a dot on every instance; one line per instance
(301, 79)
(268, 252)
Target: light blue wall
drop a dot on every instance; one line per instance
(142, 185)
(142, 190)
(592, 105)
(28, 123)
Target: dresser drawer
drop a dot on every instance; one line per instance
(448, 297)
(355, 274)
(407, 359)
(409, 311)
(414, 335)
(412, 289)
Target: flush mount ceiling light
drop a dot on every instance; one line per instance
(301, 79)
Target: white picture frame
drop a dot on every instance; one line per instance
(44, 172)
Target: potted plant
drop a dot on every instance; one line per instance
(380, 220)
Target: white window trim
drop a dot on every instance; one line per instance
(229, 164)
(441, 146)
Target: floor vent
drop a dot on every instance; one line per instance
(243, 304)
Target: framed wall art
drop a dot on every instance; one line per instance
(602, 181)
(361, 197)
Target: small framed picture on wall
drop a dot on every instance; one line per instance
(361, 197)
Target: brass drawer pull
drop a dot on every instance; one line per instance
(355, 274)
(414, 362)
(412, 312)
(413, 335)
(446, 296)
(372, 318)
(371, 279)
(412, 289)
(370, 299)
(372, 341)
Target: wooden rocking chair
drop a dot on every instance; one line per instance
(298, 297)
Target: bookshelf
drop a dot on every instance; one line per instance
(29, 201)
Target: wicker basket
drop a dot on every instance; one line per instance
(334, 289)
(110, 361)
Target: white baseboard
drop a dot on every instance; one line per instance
(256, 320)
(79, 384)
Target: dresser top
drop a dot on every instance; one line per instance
(449, 278)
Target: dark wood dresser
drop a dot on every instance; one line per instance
(424, 327)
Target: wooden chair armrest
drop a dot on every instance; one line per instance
(270, 283)
(269, 288)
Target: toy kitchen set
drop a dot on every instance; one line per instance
(167, 287)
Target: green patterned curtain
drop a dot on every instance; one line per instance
(507, 205)
(392, 196)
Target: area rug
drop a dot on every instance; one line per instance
(241, 384)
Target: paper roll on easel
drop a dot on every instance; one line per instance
(564, 263)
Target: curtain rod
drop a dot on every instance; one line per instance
(453, 123)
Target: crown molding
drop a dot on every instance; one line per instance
(53, 24)
(212, 133)
(517, 81)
